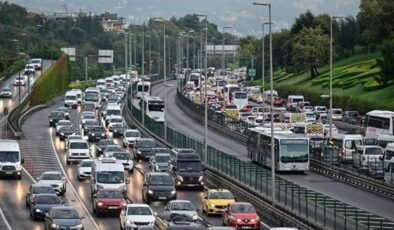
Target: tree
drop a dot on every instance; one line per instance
(310, 50)
(304, 20)
(387, 62)
(349, 34)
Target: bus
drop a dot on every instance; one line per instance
(240, 99)
(154, 108)
(291, 151)
(379, 122)
(197, 78)
(228, 90)
(143, 89)
(93, 94)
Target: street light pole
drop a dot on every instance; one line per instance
(263, 55)
(143, 75)
(223, 54)
(126, 35)
(272, 103)
(159, 52)
(130, 53)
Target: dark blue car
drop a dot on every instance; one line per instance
(41, 205)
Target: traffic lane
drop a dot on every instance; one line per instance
(12, 202)
(82, 187)
(368, 201)
(179, 120)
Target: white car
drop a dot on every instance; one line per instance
(114, 119)
(85, 169)
(125, 159)
(71, 137)
(111, 149)
(130, 136)
(54, 179)
(310, 117)
(6, 92)
(77, 150)
(135, 215)
(62, 123)
(36, 62)
(71, 99)
(29, 69)
(20, 80)
(184, 207)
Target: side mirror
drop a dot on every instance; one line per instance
(127, 181)
(22, 161)
(166, 209)
(205, 197)
(95, 195)
(155, 213)
(145, 184)
(64, 178)
(197, 210)
(46, 215)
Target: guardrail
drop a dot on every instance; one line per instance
(13, 119)
(348, 213)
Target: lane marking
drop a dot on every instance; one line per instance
(71, 185)
(7, 224)
(29, 175)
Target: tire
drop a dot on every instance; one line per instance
(79, 178)
(27, 204)
(19, 177)
(67, 162)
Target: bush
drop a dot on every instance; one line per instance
(18, 65)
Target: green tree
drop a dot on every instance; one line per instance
(304, 20)
(386, 63)
(310, 50)
(349, 35)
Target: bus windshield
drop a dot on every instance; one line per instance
(91, 96)
(240, 95)
(146, 88)
(157, 107)
(294, 150)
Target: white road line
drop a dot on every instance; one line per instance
(29, 175)
(71, 185)
(7, 224)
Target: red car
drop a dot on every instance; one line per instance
(241, 215)
(278, 101)
(108, 201)
(247, 108)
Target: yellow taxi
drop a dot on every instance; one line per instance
(232, 112)
(216, 200)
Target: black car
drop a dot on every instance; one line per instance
(88, 124)
(102, 144)
(96, 133)
(35, 189)
(66, 131)
(188, 170)
(158, 186)
(55, 117)
(161, 150)
(143, 148)
(42, 203)
(176, 221)
(63, 218)
(118, 129)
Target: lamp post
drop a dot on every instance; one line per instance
(205, 90)
(272, 102)
(143, 74)
(158, 51)
(262, 55)
(130, 52)
(223, 54)
(19, 77)
(41, 27)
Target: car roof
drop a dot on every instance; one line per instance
(218, 190)
(158, 173)
(52, 172)
(137, 205)
(40, 185)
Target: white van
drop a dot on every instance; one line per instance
(78, 92)
(366, 154)
(267, 95)
(77, 150)
(100, 83)
(108, 173)
(10, 159)
(293, 100)
(110, 110)
(389, 153)
(71, 99)
(347, 144)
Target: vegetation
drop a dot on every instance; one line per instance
(387, 62)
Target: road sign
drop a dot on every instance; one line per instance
(106, 56)
(252, 72)
(70, 52)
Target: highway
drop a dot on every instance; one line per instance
(180, 121)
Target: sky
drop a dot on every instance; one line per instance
(244, 17)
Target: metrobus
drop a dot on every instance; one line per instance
(379, 122)
(291, 150)
(143, 89)
(228, 90)
(154, 108)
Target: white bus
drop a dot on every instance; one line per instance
(228, 90)
(197, 78)
(154, 108)
(143, 89)
(379, 122)
(240, 98)
(291, 151)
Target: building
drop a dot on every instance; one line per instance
(111, 22)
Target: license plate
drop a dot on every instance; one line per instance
(112, 207)
(190, 185)
(8, 173)
(162, 198)
(246, 227)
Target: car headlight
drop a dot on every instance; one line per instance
(103, 134)
(212, 205)
(50, 120)
(180, 178)
(139, 152)
(150, 191)
(93, 134)
(201, 178)
(62, 134)
(100, 186)
(18, 166)
(60, 184)
(129, 222)
(173, 192)
(122, 188)
(195, 217)
(79, 226)
(54, 225)
(37, 210)
(99, 204)
(124, 204)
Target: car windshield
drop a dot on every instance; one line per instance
(92, 122)
(373, 151)
(51, 176)
(97, 129)
(352, 144)
(122, 156)
(88, 106)
(39, 190)
(57, 114)
(71, 97)
(110, 194)
(191, 166)
(110, 177)
(160, 180)
(242, 208)
(106, 142)
(113, 148)
(47, 200)
(8, 156)
(186, 151)
(6, 89)
(86, 163)
(79, 145)
(91, 96)
(221, 195)
(230, 107)
(146, 144)
(162, 158)
(132, 134)
(113, 112)
(60, 123)
(182, 206)
(140, 211)
(65, 214)
(89, 116)
(119, 125)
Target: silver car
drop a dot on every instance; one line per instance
(54, 179)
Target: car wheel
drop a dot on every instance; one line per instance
(27, 203)
(79, 178)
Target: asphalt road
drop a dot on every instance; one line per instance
(179, 120)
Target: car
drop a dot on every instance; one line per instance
(85, 169)
(71, 137)
(102, 144)
(125, 159)
(135, 215)
(111, 149)
(88, 124)
(66, 112)
(241, 215)
(96, 133)
(114, 119)
(184, 207)
(62, 123)
(54, 179)
(63, 218)
(71, 99)
(108, 201)
(66, 131)
(351, 117)
(113, 99)
(87, 117)
(29, 69)
(221, 228)
(35, 189)
(373, 169)
(176, 222)
(6, 92)
(130, 136)
(36, 62)
(42, 203)
(20, 80)
(55, 117)
(89, 106)
(158, 186)
(143, 148)
(216, 200)
(118, 129)
(159, 162)
(77, 150)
